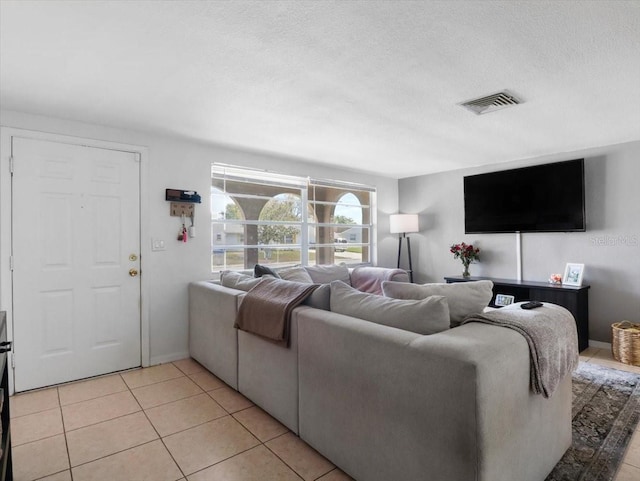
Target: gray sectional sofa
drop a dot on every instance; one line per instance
(384, 403)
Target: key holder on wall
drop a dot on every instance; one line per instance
(183, 206)
(177, 195)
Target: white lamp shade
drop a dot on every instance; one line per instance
(403, 223)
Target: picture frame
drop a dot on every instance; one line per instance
(573, 274)
(503, 300)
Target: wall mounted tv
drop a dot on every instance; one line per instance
(540, 198)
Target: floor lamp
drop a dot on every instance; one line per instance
(404, 224)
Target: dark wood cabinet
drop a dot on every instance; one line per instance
(6, 467)
(574, 299)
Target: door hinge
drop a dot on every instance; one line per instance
(13, 361)
(11, 263)
(11, 165)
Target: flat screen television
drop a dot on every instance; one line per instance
(540, 198)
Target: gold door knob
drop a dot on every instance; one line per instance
(133, 272)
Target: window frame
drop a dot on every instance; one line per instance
(223, 175)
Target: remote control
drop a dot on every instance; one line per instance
(531, 305)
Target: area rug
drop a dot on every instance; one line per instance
(606, 409)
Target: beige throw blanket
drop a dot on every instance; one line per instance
(266, 309)
(551, 333)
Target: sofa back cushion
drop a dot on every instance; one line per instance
(424, 316)
(296, 274)
(324, 274)
(465, 298)
(370, 279)
(237, 280)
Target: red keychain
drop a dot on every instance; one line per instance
(182, 236)
(184, 230)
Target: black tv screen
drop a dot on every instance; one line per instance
(541, 198)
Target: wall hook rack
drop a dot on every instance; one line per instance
(182, 202)
(177, 195)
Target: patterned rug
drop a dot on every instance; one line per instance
(606, 409)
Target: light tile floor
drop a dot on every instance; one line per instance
(172, 422)
(176, 422)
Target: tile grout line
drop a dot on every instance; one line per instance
(143, 410)
(91, 399)
(323, 475)
(106, 421)
(189, 374)
(155, 382)
(222, 460)
(102, 376)
(231, 415)
(169, 402)
(13, 441)
(64, 432)
(236, 454)
(287, 464)
(159, 436)
(100, 422)
(114, 453)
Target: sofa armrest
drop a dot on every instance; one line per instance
(389, 404)
(370, 279)
(213, 341)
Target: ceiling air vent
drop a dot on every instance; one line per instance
(491, 103)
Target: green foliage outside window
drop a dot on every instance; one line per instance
(283, 208)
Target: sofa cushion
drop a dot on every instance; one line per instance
(425, 316)
(237, 280)
(320, 298)
(260, 270)
(327, 273)
(296, 274)
(465, 298)
(369, 279)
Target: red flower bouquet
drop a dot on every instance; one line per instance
(466, 253)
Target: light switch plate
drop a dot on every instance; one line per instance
(157, 245)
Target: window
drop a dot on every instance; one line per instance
(260, 217)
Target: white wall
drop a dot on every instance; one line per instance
(610, 248)
(183, 164)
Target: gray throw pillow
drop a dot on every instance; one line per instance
(236, 280)
(465, 298)
(296, 274)
(425, 316)
(320, 298)
(327, 273)
(260, 270)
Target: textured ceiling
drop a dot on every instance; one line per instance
(366, 85)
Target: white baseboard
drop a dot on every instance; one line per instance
(599, 344)
(176, 356)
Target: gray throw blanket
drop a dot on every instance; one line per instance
(551, 333)
(266, 308)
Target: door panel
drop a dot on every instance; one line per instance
(75, 222)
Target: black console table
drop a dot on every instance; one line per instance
(574, 299)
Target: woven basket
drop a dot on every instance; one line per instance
(626, 342)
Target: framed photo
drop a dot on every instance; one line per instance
(503, 300)
(573, 275)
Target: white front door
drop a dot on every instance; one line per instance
(76, 236)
